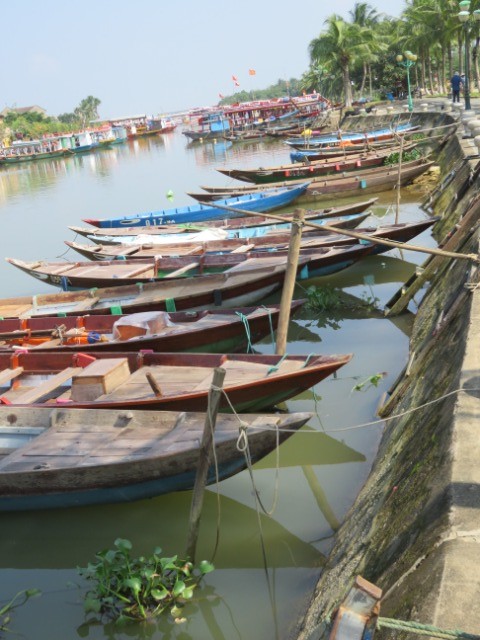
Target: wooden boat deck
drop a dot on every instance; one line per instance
(119, 385)
(75, 443)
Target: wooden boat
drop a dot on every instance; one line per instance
(337, 152)
(209, 125)
(217, 331)
(350, 137)
(107, 273)
(61, 457)
(153, 126)
(246, 135)
(373, 180)
(147, 380)
(295, 171)
(268, 200)
(240, 286)
(272, 241)
(232, 227)
(7, 157)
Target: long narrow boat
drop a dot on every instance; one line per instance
(351, 137)
(147, 380)
(217, 331)
(345, 151)
(228, 227)
(12, 157)
(273, 241)
(241, 286)
(268, 200)
(107, 273)
(373, 180)
(61, 457)
(296, 171)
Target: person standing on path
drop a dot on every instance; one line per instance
(456, 83)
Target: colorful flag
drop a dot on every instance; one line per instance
(251, 72)
(234, 78)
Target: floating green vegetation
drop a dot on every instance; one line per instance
(407, 156)
(18, 600)
(127, 588)
(371, 381)
(325, 298)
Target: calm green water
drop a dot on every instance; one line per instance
(320, 472)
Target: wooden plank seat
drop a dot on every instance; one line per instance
(45, 388)
(7, 375)
(138, 271)
(99, 378)
(62, 268)
(244, 248)
(85, 304)
(182, 270)
(171, 380)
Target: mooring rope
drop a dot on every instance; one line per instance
(243, 447)
(425, 629)
(246, 325)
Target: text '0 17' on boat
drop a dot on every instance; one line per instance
(62, 457)
(268, 200)
(224, 228)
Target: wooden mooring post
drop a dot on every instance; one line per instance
(289, 282)
(356, 617)
(214, 397)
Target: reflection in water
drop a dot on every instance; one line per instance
(46, 539)
(209, 151)
(41, 174)
(320, 471)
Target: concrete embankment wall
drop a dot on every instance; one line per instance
(414, 528)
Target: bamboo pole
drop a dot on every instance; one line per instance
(399, 181)
(214, 396)
(289, 282)
(355, 234)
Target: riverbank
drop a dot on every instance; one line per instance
(412, 530)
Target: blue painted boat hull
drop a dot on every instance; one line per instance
(259, 202)
(118, 495)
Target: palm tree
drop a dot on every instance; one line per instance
(336, 49)
(87, 110)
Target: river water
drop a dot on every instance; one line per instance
(321, 470)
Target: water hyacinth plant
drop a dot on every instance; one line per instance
(126, 588)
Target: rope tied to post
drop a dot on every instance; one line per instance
(425, 629)
(246, 325)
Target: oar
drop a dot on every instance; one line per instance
(360, 236)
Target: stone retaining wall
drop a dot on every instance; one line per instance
(412, 528)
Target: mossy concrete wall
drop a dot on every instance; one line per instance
(413, 529)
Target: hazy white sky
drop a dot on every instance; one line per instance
(153, 56)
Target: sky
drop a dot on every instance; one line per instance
(152, 56)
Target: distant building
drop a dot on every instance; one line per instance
(21, 110)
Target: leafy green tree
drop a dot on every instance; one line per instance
(337, 48)
(87, 110)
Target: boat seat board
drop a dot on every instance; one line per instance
(7, 375)
(182, 270)
(98, 378)
(83, 305)
(46, 387)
